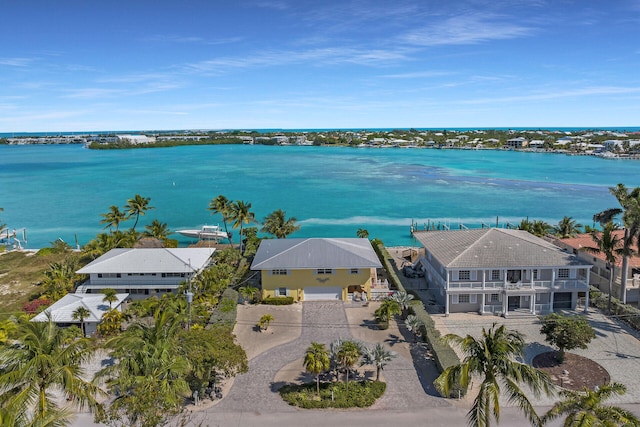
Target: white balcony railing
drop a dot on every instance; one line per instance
(542, 308)
(536, 284)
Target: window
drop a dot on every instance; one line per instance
(494, 298)
(354, 271)
(281, 292)
(324, 271)
(173, 274)
(463, 298)
(535, 274)
(279, 272)
(563, 273)
(464, 275)
(495, 274)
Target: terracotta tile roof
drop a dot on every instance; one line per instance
(585, 241)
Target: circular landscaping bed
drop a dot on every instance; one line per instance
(574, 373)
(360, 394)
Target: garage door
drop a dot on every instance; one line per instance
(562, 300)
(331, 293)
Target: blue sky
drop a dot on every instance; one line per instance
(114, 65)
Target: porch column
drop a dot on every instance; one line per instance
(482, 301)
(484, 279)
(551, 302)
(505, 304)
(446, 304)
(531, 273)
(586, 294)
(532, 303)
(553, 277)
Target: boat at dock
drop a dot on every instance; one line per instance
(207, 232)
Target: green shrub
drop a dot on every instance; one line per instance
(388, 264)
(278, 300)
(226, 311)
(360, 394)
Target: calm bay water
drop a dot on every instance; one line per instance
(60, 191)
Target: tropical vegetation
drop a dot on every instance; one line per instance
(587, 408)
(278, 225)
(317, 361)
(493, 358)
(377, 356)
(40, 361)
(388, 308)
(608, 244)
(566, 332)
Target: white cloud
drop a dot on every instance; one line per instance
(16, 62)
(467, 29)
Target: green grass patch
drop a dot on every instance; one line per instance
(360, 394)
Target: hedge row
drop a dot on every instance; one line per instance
(360, 394)
(278, 300)
(443, 354)
(226, 311)
(626, 313)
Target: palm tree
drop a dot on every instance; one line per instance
(80, 314)
(347, 355)
(385, 312)
(377, 356)
(137, 206)
(629, 200)
(362, 233)
(567, 227)
(110, 296)
(38, 363)
(247, 292)
(148, 368)
(587, 408)
(113, 218)
(59, 279)
(316, 361)
(413, 324)
(492, 357)
(240, 213)
(404, 299)
(608, 244)
(2, 226)
(264, 321)
(221, 205)
(157, 229)
(277, 224)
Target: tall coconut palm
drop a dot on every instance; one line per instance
(277, 224)
(609, 245)
(362, 233)
(629, 200)
(377, 356)
(113, 218)
(221, 205)
(316, 361)
(157, 229)
(493, 359)
(587, 409)
(240, 213)
(567, 227)
(110, 296)
(38, 363)
(80, 314)
(137, 206)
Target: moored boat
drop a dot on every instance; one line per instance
(207, 232)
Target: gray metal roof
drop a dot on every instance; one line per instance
(494, 248)
(62, 310)
(315, 253)
(150, 260)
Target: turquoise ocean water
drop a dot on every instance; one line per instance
(60, 191)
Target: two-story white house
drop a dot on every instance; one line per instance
(144, 272)
(501, 271)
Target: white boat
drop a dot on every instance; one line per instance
(206, 232)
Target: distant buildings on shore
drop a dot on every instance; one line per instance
(605, 143)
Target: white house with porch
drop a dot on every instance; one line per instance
(144, 272)
(501, 271)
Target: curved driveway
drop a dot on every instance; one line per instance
(255, 392)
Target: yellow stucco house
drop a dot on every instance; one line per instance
(316, 268)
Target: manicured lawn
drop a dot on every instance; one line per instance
(360, 394)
